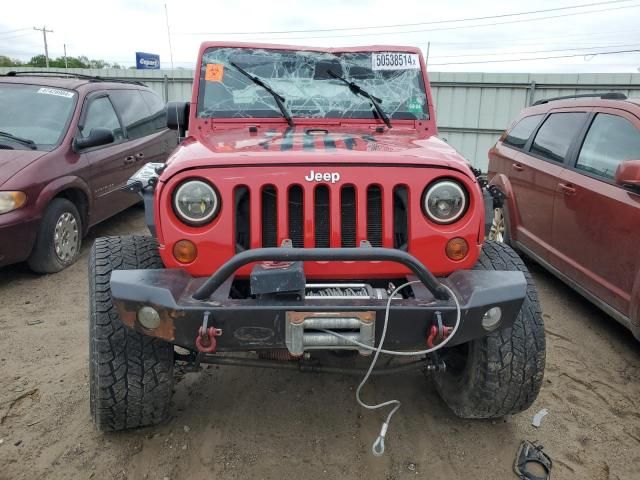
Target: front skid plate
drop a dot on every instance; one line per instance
(255, 324)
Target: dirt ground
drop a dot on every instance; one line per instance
(250, 423)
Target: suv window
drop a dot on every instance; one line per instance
(134, 112)
(611, 139)
(520, 133)
(556, 134)
(100, 113)
(157, 108)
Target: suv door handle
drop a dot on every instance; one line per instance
(518, 167)
(129, 159)
(567, 189)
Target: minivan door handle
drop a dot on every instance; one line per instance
(567, 189)
(129, 159)
(518, 167)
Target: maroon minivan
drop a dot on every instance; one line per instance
(569, 169)
(68, 144)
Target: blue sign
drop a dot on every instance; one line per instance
(147, 61)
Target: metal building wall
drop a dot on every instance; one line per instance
(472, 108)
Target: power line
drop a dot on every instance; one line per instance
(459, 27)
(14, 31)
(535, 51)
(587, 54)
(434, 22)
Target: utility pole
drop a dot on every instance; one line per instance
(46, 48)
(426, 60)
(66, 65)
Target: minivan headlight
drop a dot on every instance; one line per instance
(10, 201)
(444, 201)
(196, 202)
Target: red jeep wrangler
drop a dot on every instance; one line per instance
(311, 209)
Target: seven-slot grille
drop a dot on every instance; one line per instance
(327, 202)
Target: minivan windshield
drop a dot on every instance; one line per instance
(310, 85)
(34, 113)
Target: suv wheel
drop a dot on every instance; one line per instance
(130, 375)
(499, 374)
(59, 238)
(498, 231)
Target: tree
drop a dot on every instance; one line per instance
(9, 62)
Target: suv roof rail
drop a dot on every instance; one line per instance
(90, 78)
(604, 96)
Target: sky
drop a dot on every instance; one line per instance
(115, 30)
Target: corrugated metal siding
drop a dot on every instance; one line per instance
(472, 108)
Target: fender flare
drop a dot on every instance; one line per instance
(60, 184)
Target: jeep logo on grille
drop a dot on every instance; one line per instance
(332, 177)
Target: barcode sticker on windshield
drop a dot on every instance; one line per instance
(394, 61)
(55, 91)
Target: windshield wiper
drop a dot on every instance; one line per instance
(277, 97)
(25, 141)
(357, 90)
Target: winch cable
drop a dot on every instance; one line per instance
(378, 446)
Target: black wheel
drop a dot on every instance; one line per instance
(59, 238)
(499, 374)
(130, 374)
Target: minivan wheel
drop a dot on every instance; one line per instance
(59, 238)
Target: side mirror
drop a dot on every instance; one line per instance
(98, 136)
(628, 174)
(178, 117)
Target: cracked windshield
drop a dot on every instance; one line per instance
(259, 83)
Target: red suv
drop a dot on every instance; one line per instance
(68, 144)
(569, 170)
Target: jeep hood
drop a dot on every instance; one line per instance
(239, 146)
(12, 161)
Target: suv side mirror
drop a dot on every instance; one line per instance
(97, 137)
(628, 174)
(178, 117)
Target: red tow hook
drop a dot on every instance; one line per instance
(206, 339)
(438, 333)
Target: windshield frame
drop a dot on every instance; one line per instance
(421, 79)
(48, 147)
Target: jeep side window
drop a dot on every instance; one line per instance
(100, 113)
(520, 133)
(611, 140)
(135, 114)
(556, 135)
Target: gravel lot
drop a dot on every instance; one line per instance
(246, 423)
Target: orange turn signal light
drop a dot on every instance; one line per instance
(185, 251)
(457, 248)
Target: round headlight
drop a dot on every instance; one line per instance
(445, 201)
(196, 202)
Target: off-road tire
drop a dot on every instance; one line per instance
(502, 373)
(130, 374)
(43, 258)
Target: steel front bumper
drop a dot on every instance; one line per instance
(182, 303)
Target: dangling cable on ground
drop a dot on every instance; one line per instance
(378, 446)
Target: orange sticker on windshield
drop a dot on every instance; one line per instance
(214, 72)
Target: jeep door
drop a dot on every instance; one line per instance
(595, 222)
(109, 164)
(534, 176)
